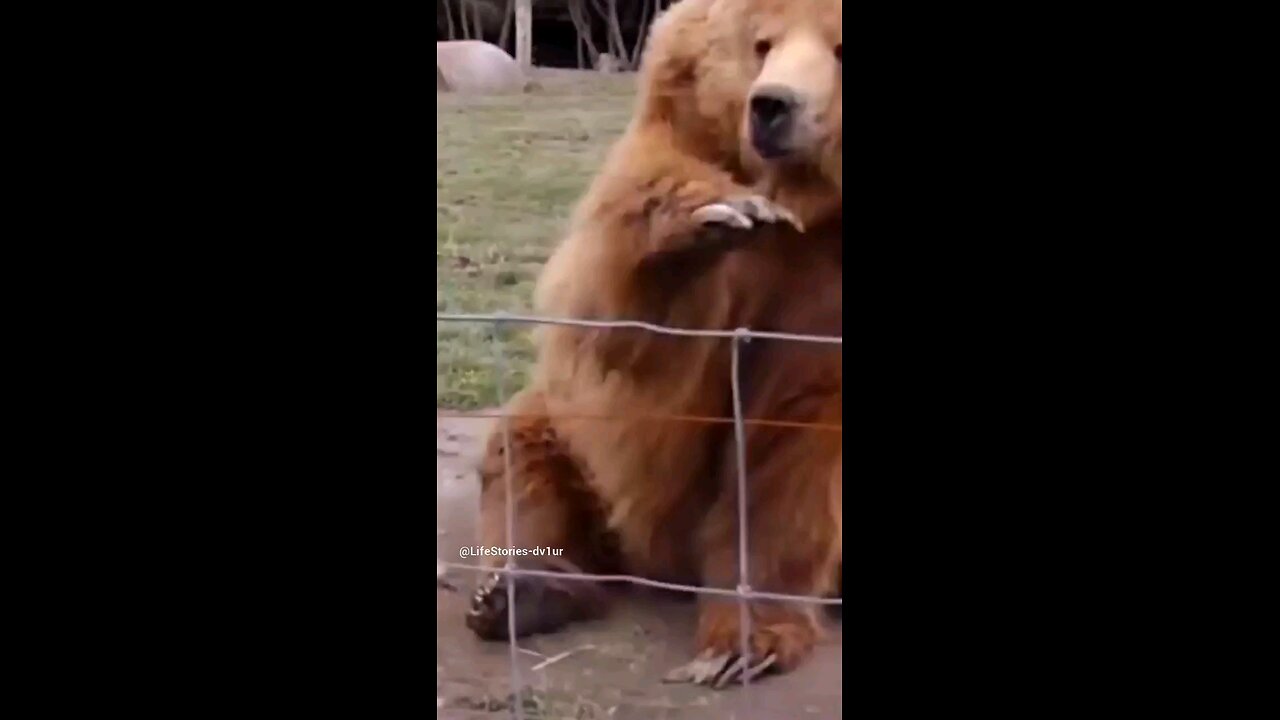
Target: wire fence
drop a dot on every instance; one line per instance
(743, 592)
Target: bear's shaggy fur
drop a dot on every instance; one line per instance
(641, 492)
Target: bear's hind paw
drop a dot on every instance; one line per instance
(543, 605)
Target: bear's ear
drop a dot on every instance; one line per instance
(668, 68)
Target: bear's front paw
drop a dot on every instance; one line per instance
(744, 212)
(779, 640)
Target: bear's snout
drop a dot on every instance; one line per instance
(773, 111)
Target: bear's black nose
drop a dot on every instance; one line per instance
(770, 110)
(773, 110)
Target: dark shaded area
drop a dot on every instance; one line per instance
(554, 44)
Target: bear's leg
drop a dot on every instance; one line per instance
(794, 546)
(557, 521)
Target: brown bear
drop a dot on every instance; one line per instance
(735, 95)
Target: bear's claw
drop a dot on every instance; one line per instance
(488, 608)
(542, 606)
(744, 212)
(719, 670)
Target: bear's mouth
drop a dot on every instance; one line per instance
(771, 136)
(769, 146)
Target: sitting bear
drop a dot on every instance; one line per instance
(717, 209)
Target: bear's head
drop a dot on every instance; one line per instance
(794, 110)
(756, 84)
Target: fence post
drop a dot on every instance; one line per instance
(524, 34)
(740, 336)
(500, 366)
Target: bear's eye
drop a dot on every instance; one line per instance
(763, 47)
(838, 47)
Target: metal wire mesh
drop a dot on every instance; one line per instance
(743, 592)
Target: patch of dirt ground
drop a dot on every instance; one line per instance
(608, 668)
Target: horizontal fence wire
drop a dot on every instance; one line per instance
(741, 333)
(636, 580)
(743, 592)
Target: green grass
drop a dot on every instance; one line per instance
(508, 172)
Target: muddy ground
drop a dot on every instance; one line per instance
(614, 665)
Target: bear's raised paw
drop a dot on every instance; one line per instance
(744, 212)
